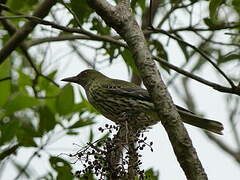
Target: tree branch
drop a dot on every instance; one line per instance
(196, 49)
(11, 30)
(215, 86)
(27, 28)
(66, 29)
(223, 146)
(215, 28)
(120, 18)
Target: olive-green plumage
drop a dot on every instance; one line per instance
(119, 101)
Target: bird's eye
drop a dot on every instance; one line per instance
(84, 73)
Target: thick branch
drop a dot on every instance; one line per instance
(22, 33)
(120, 18)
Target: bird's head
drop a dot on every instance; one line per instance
(85, 78)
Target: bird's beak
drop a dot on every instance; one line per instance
(71, 79)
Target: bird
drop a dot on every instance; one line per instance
(122, 101)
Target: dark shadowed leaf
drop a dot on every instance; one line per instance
(209, 22)
(236, 5)
(81, 10)
(26, 132)
(47, 119)
(127, 56)
(213, 8)
(157, 48)
(8, 129)
(25, 5)
(19, 102)
(26, 141)
(151, 174)
(4, 85)
(229, 57)
(62, 167)
(81, 123)
(98, 25)
(65, 100)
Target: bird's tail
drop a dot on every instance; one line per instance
(192, 119)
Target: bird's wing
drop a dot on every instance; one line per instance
(127, 89)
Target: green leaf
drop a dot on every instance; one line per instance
(26, 132)
(26, 140)
(47, 119)
(175, 1)
(4, 85)
(19, 102)
(229, 57)
(213, 8)
(51, 104)
(65, 100)
(183, 47)
(62, 167)
(22, 5)
(151, 174)
(127, 56)
(209, 22)
(24, 79)
(141, 3)
(8, 129)
(112, 50)
(98, 25)
(157, 48)
(236, 5)
(81, 123)
(81, 10)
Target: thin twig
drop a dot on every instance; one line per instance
(173, 8)
(223, 146)
(216, 42)
(198, 50)
(21, 34)
(215, 28)
(63, 37)
(11, 30)
(67, 29)
(216, 86)
(87, 61)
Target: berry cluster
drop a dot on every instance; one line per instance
(113, 158)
